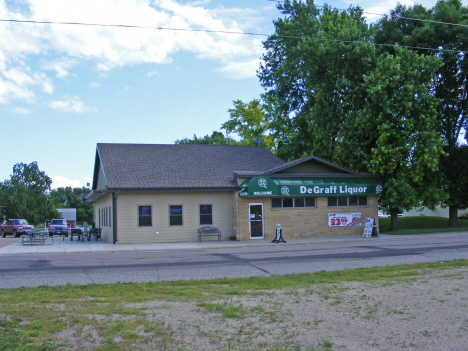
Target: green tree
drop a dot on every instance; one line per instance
(450, 85)
(399, 120)
(345, 101)
(313, 76)
(69, 197)
(454, 177)
(249, 121)
(25, 194)
(216, 138)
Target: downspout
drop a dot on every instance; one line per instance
(114, 218)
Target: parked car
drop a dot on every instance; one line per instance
(58, 227)
(16, 227)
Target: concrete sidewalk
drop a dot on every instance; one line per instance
(68, 246)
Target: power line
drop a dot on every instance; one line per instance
(132, 26)
(225, 32)
(384, 15)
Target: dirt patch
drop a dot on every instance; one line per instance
(429, 313)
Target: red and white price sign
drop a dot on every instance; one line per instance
(344, 219)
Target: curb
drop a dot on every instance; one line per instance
(17, 249)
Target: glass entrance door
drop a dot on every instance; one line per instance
(256, 221)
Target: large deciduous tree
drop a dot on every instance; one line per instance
(25, 194)
(450, 85)
(399, 120)
(250, 121)
(348, 102)
(216, 138)
(314, 75)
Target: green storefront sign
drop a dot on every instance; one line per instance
(264, 186)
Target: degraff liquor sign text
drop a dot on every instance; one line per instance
(264, 186)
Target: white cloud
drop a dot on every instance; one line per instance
(70, 104)
(61, 66)
(108, 48)
(20, 111)
(240, 70)
(62, 182)
(18, 82)
(374, 9)
(153, 73)
(95, 84)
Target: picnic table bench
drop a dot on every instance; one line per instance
(35, 237)
(209, 231)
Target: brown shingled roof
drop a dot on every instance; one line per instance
(145, 166)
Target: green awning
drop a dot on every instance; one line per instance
(264, 186)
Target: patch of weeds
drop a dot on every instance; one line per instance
(13, 337)
(454, 275)
(409, 318)
(324, 343)
(228, 310)
(371, 310)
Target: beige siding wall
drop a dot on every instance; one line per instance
(101, 220)
(303, 222)
(127, 216)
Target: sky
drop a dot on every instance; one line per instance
(65, 88)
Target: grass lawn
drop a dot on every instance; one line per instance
(115, 314)
(421, 225)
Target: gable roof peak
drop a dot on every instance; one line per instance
(312, 159)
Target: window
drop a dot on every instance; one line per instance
(276, 202)
(342, 201)
(206, 214)
(299, 202)
(144, 216)
(310, 201)
(175, 215)
(334, 201)
(288, 202)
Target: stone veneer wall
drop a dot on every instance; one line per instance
(299, 222)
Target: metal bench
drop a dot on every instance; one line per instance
(209, 231)
(35, 237)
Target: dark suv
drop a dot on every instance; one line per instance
(58, 227)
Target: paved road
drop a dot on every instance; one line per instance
(143, 266)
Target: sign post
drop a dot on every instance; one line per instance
(370, 229)
(279, 235)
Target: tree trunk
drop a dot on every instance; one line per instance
(453, 216)
(394, 219)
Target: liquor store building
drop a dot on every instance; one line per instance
(165, 193)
